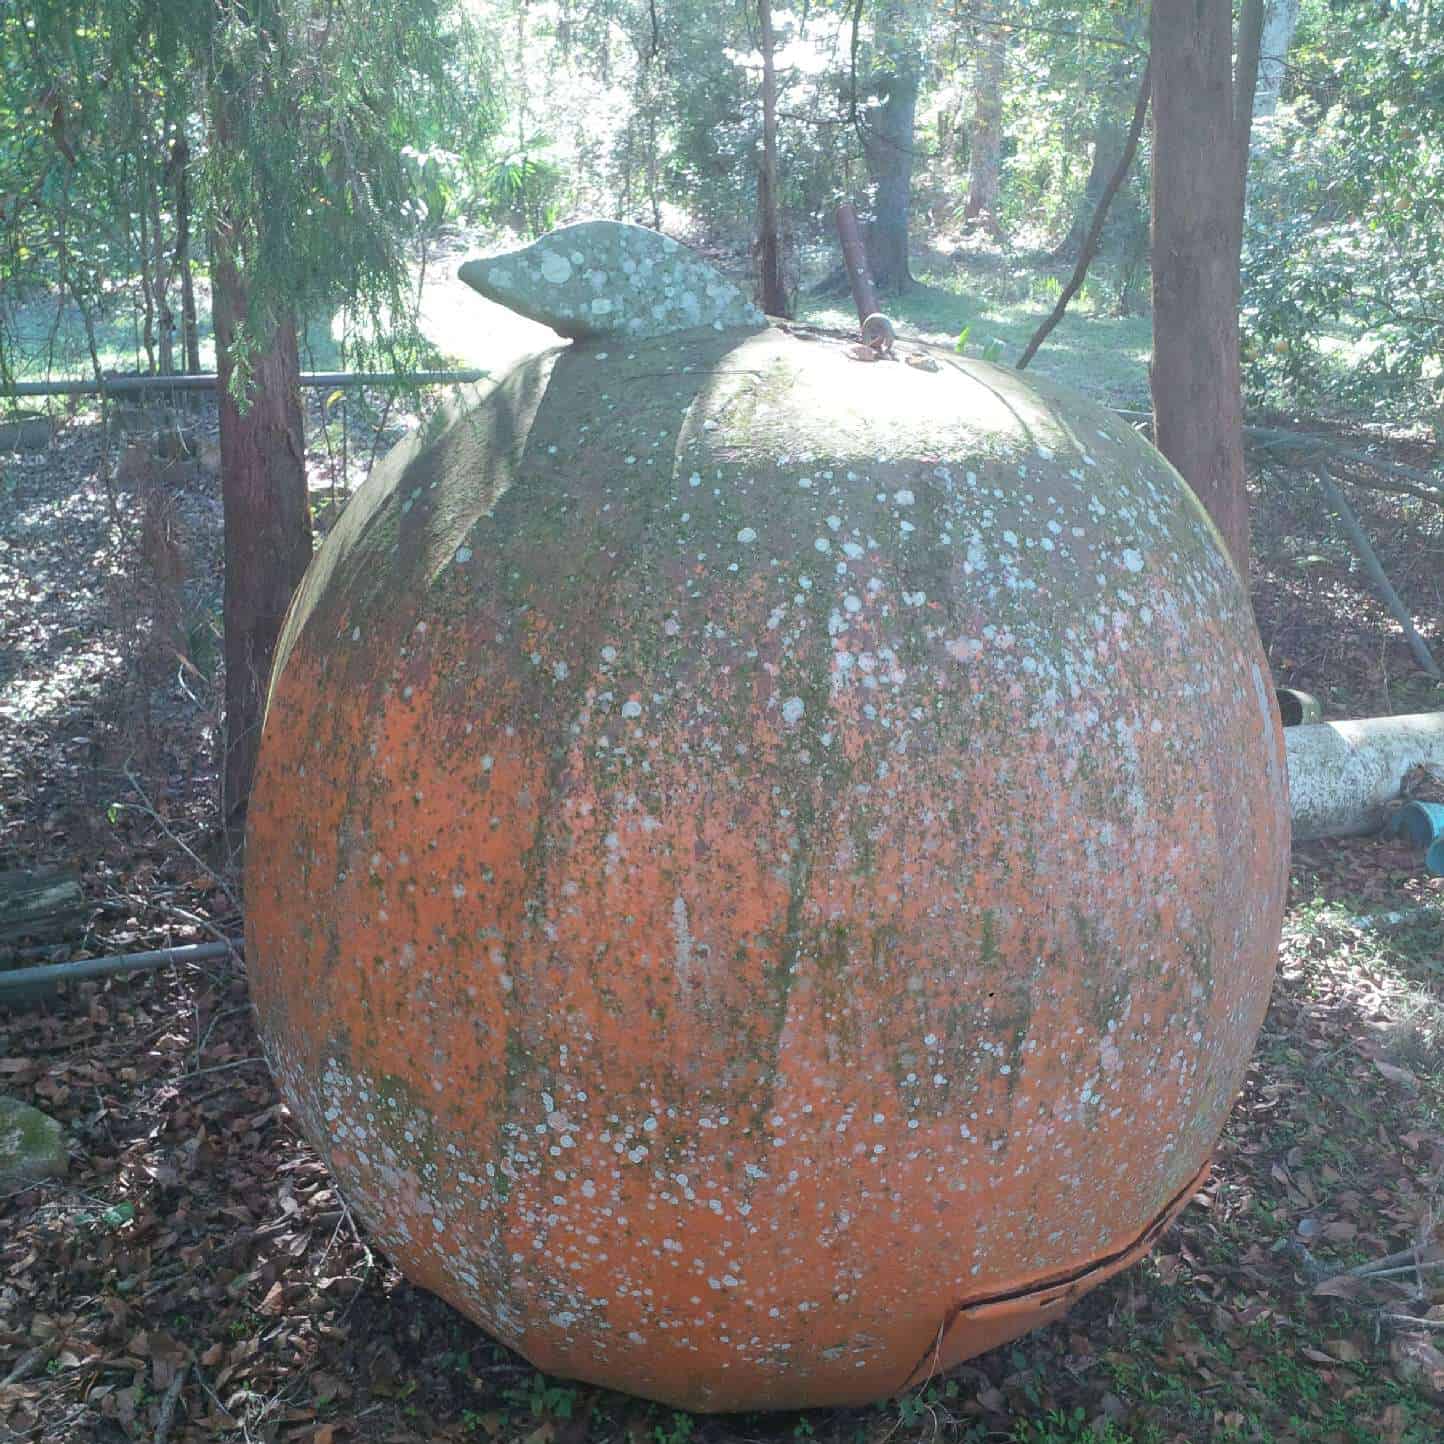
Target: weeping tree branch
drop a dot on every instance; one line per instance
(1100, 215)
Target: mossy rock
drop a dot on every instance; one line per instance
(32, 1146)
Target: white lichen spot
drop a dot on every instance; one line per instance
(792, 710)
(555, 269)
(746, 535)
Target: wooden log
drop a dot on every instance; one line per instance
(1344, 775)
(42, 904)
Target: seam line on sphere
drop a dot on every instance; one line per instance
(1140, 1245)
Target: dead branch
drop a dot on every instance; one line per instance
(1365, 549)
(1095, 227)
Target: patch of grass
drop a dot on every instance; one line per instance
(1104, 356)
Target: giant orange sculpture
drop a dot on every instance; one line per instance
(765, 870)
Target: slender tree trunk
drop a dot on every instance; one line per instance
(190, 331)
(1280, 18)
(773, 287)
(1108, 138)
(1094, 235)
(147, 275)
(165, 315)
(986, 143)
(1200, 152)
(267, 523)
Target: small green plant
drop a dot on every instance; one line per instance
(1046, 289)
(990, 350)
(677, 1430)
(1067, 1427)
(114, 1217)
(545, 1398)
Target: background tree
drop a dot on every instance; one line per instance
(1280, 18)
(772, 289)
(888, 129)
(1201, 117)
(314, 188)
(986, 135)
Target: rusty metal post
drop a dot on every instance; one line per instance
(854, 257)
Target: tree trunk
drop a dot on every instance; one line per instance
(267, 523)
(1088, 248)
(1108, 140)
(1200, 149)
(888, 145)
(190, 331)
(1280, 18)
(147, 287)
(773, 288)
(986, 143)
(165, 316)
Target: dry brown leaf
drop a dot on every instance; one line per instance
(1417, 1362)
(1402, 1076)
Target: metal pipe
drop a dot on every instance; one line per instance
(14, 979)
(854, 257)
(122, 385)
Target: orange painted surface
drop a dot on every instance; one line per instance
(764, 871)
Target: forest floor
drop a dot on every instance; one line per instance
(196, 1276)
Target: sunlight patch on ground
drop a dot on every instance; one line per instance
(44, 665)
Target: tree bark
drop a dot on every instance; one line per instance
(267, 522)
(986, 142)
(888, 146)
(165, 315)
(773, 287)
(190, 331)
(1280, 18)
(1108, 140)
(1200, 150)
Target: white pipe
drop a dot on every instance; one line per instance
(1343, 775)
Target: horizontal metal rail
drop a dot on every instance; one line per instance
(14, 979)
(124, 385)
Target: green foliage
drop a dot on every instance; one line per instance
(1344, 250)
(319, 149)
(545, 1398)
(1072, 1427)
(523, 189)
(677, 1429)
